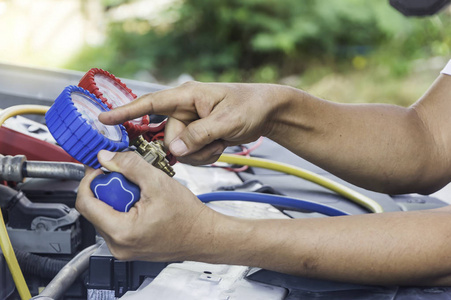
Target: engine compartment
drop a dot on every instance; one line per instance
(38, 199)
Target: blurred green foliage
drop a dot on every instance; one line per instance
(266, 40)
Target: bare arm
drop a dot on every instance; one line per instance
(406, 248)
(381, 147)
(169, 224)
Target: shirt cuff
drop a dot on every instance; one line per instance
(447, 69)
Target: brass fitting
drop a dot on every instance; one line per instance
(153, 153)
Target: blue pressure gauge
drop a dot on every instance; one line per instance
(73, 122)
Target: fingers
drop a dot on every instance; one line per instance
(134, 168)
(172, 130)
(177, 102)
(91, 208)
(206, 155)
(194, 106)
(167, 227)
(200, 133)
(131, 165)
(84, 188)
(161, 103)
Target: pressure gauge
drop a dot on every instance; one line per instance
(73, 122)
(114, 93)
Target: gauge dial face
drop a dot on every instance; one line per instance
(114, 93)
(90, 110)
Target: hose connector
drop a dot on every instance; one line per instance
(11, 167)
(16, 168)
(153, 153)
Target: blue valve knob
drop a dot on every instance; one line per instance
(116, 190)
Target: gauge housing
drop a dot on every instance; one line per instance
(114, 93)
(73, 122)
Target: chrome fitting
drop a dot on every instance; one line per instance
(11, 167)
(153, 153)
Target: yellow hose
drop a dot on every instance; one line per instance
(11, 260)
(307, 175)
(22, 110)
(5, 243)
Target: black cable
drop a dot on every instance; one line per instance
(44, 267)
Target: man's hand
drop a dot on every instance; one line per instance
(206, 117)
(168, 223)
(381, 147)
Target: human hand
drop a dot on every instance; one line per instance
(205, 118)
(168, 223)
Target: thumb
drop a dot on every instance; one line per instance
(129, 164)
(198, 134)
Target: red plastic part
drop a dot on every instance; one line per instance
(157, 127)
(150, 131)
(16, 143)
(88, 83)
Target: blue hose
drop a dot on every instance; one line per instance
(272, 199)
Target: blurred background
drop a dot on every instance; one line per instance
(341, 50)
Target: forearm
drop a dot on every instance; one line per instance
(392, 248)
(380, 147)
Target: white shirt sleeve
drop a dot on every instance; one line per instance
(447, 69)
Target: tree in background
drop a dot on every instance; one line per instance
(265, 40)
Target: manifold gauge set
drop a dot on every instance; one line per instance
(73, 122)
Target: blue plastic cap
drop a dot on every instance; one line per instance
(115, 190)
(73, 122)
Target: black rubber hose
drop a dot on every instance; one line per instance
(44, 267)
(8, 196)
